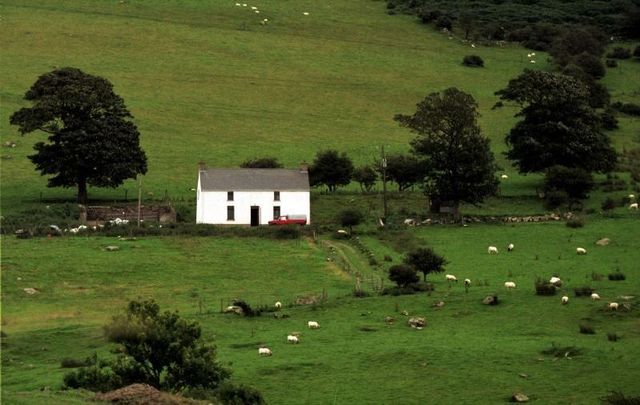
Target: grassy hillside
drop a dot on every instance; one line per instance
(354, 357)
(204, 80)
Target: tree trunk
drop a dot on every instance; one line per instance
(456, 211)
(82, 190)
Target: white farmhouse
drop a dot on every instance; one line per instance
(251, 196)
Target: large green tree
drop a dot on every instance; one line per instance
(92, 140)
(404, 170)
(331, 168)
(559, 127)
(459, 163)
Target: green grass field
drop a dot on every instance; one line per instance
(206, 81)
(354, 357)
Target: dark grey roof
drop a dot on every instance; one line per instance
(254, 179)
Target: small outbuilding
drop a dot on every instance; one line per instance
(251, 196)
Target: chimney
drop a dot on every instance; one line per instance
(202, 166)
(304, 167)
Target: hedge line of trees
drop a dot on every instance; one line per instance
(533, 22)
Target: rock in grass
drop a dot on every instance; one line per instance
(30, 290)
(417, 322)
(490, 300)
(519, 397)
(603, 242)
(112, 248)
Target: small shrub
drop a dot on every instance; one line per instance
(246, 308)
(611, 63)
(618, 398)
(608, 204)
(444, 22)
(403, 275)
(575, 222)
(617, 276)
(231, 394)
(422, 286)
(596, 276)
(627, 108)
(396, 291)
(473, 61)
(583, 291)
(612, 337)
(94, 378)
(587, 329)
(360, 294)
(545, 288)
(619, 53)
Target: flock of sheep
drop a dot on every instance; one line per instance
(293, 338)
(255, 10)
(555, 281)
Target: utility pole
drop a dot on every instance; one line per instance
(384, 184)
(139, 197)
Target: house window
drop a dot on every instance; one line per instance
(276, 196)
(229, 195)
(276, 212)
(230, 213)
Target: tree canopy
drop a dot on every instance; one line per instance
(331, 168)
(425, 260)
(559, 127)
(366, 176)
(262, 163)
(92, 139)
(404, 170)
(458, 160)
(403, 275)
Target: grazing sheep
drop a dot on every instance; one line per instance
(556, 281)
(451, 277)
(595, 297)
(264, 351)
(467, 282)
(492, 250)
(292, 339)
(565, 300)
(278, 305)
(613, 306)
(504, 177)
(305, 13)
(632, 197)
(633, 206)
(510, 285)
(581, 251)
(510, 247)
(313, 325)
(410, 222)
(533, 61)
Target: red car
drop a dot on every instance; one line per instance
(289, 219)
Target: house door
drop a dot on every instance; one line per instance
(255, 216)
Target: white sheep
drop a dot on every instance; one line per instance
(595, 297)
(467, 282)
(504, 177)
(264, 351)
(492, 250)
(510, 285)
(581, 251)
(451, 277)
(632, 197)
(565, 300)
(613, 306)
(633, 206)
(555, 281)
(313, 325)
(532, 61)
(305, 13)
(510, 247)
(278, 305)
(292, 339)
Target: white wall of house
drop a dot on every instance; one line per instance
(212, 205)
